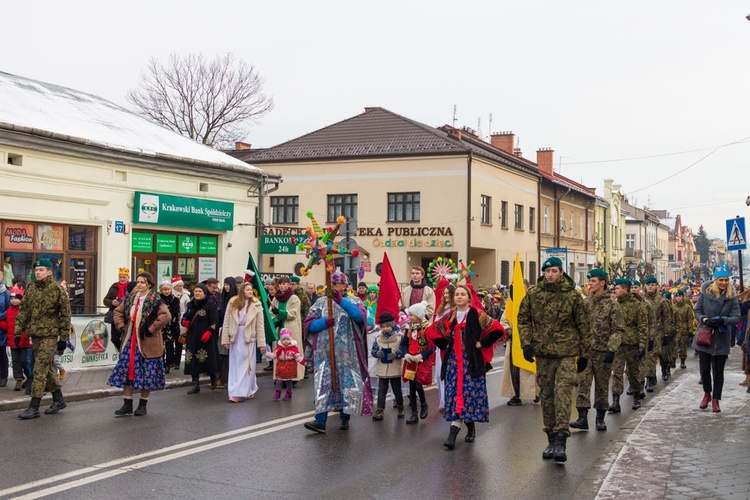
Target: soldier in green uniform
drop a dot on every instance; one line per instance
(554, 326)
(633, 347)
(606, 328)
(663, 330)
(304, 300)
(648, 364)
(684, 324)
(45, 316)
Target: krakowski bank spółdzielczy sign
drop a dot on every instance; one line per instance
(178, 211)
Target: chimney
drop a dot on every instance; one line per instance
(544, 160)
(504, 141)
(518, 152)
(242, 146)
(371, 108)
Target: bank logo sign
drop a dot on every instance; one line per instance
(178, 211)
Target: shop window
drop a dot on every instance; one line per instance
(403, 207)
(284, 209)
(342, 204)
(486, 207)
(82, 239)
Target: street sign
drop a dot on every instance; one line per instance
(280, 244)
(736, 235)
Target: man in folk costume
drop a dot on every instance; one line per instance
(417, 291)
(285, 306)
(350, 351)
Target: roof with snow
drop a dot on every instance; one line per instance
(45, 109)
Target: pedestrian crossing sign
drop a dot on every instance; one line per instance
(736, 239)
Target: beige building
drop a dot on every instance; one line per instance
(408, 189)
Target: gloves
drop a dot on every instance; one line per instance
(650, 345)
(206, 335)
(304, 362)
(275, 310)
(391, 356)
(417, 359)
(528, 353)
(581, 364)
(185, 323)
(408, 358)
(61, 345)
(329, 322)
(609, 357)
(380, 354)
(336, 296)
(641, 353)
(715, 322)
(17, 340)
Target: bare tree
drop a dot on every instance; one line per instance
(210, 102)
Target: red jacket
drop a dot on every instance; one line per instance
(9, 325)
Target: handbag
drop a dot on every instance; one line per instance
(182, 339)
(704, 335)
(410, 370)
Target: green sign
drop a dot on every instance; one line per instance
(207, 245)
(177, 211)
(166, 243)
(187, 244)
(280, 243)
(143, 242)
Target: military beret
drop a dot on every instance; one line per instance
(680, 293)
(552, 262)
(667, 295)
(635, 283)
(294, 279)
(623, 281)
(599, 273)
(651, 280)
(43, 263)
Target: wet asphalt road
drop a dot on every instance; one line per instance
(201, 446)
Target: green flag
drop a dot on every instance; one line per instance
(271, 334)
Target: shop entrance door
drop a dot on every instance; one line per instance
(81, 279)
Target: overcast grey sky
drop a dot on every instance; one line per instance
(593, 80)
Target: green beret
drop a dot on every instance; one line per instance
(294, 279)
(635, 283)
(552, 262)
(623, 281)
(667, 295)
(680, 293)
(43, 263)
(599, 273)
(651, 280)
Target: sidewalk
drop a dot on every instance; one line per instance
(672, 449)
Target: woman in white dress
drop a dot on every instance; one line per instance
(243, 326)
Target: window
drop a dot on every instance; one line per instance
(342, 204)
(505, 272)
(532, 272)
(486, 209)
(571, 227)
(532, 219)
(284, 209)
(562, 227)
(518, 217)
(581, 232)
(629, 241)
(504, 215)
(403, 207)
(546, 219)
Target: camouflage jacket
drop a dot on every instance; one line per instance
(662, 312)
(684, 319)
(650, 318)
(304, 303)
(45, 310)
(552, 318)
(606, 322)
(635, 320)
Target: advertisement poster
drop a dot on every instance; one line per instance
(17, 236)
(163, 270)
(206, 268)
(89, 344)
(49, 237)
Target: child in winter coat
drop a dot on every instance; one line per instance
(287, 356)
(18, 342)
(419, 359)
(387, 350)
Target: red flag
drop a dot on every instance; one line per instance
(389, 294)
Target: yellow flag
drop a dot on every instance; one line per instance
(518, 292)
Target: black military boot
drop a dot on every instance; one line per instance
(636, 401)
(648, 386)
(58, 403)
(669, 373)
(141, 410)
(450, 443)
(582, 422)
(471, 432)
(682, 364)
(196, 387)
(665, 373)
(615, 406)
(654, 380)
(32, 411)
(560, 440)
(549, 451)
(600, 425)
(126, 408)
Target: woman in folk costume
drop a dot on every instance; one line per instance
(466, 339)
(445, 291)
(286, 307)
(352, 378)
(139, 319)
(243, 327)
(202, 348)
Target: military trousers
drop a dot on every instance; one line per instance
(556, 378)
(45, 376)
(598, 372)
(666, 355)
(627, 354)
(648, 364)
(681, 342)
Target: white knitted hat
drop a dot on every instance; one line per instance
(419, 310)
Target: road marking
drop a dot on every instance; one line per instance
(275, 425)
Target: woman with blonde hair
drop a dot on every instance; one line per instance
(718, 309)
(243, 327)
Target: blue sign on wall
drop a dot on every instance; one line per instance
(119, 226)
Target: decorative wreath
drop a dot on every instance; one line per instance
(440, 268)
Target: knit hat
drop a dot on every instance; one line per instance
(651, 281)
(599, 273)
(15, 291)
(339, 278)
(419, 309)
(373, 288)
(362, 283)
(386, 318)
(48, 263)
(165, 283)
(552, 262)
(177, 280)
(248, 276)
(285, 332)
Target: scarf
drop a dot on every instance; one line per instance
(283, 296)
(458, 329)
(122, 290)
(134, 320)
